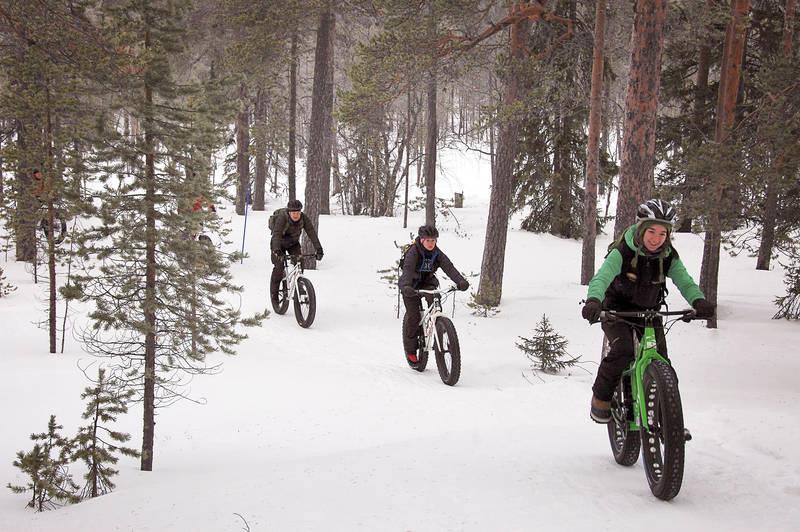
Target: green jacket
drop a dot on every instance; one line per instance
(632, 279)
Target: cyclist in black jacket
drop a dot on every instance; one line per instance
(286, 231)
(420, 263)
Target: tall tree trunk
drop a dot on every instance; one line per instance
(698, 127)
(490, 289)
(770, 217)
(242, 150)
(149, 303)
(260, 185)
(26, 211)
(50, 190)
(325, 176)
(641, 104)
(293, 119)
(410, 136)
(561, 193)
(319, 149)
(430, 151)
(593, 147)
(730, 74)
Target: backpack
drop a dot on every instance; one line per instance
(274, 216)
(403, 252)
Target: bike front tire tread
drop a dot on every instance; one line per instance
(445, 327)
(666, 479)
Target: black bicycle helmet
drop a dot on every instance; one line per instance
(294, 205)
(428, 231)
(656, 211)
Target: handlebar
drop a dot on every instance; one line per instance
(435, 292)
(294, 259)
(685, 314)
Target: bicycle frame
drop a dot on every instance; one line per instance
(646, 352)
(293, 274)
(433, 311)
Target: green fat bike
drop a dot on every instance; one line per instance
(646, 411)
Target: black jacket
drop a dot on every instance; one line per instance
(286, 233)
(420, 265)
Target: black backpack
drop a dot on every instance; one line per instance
(274, 216)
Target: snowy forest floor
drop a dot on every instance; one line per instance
(328, 428)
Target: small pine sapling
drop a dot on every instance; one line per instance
(789, 305)
(547, 350)
(46, 465)
(5, 287)
(98, 444)
(481, 306)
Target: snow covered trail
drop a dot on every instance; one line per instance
(328, 428)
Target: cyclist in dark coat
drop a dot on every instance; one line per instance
(632, 278)
(420, 263)
(286, 231)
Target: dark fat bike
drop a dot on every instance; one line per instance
(438, 337)
(297, 288)
(646, 411)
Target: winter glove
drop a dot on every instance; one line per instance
(704, 308)
(463, 285)
(407, 291)
(277, 257)
(591, 310)
(319, 254)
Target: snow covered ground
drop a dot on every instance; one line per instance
(328, 428)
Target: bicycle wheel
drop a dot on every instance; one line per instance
(663, 447)
(422, 352)
(281, 304)
(625, 444)
(448, 352)
(305, 303)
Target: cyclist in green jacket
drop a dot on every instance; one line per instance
(633, 277)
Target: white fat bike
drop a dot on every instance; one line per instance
(298, 288)
(437, 336)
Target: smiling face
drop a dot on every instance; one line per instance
(295, 215)
(654, 237)
(428, 243)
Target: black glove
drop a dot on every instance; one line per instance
(319, 254)
(407, 291)
(277, 257)
(591, 310)
(704, 308)
(462, 285)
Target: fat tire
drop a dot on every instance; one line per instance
(446, 329)
(305, 288)
(625, 444)
(282, 305)
(663, 449)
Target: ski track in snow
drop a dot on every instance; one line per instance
(328, 428)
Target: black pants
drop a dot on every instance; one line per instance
(620, 355)
(411, 321)
(278, 268)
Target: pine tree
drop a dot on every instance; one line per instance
(482, 307)
(789, 305)
(46, 465)
(547, 350)
(158, 294)
(5, 287)
(97, 444)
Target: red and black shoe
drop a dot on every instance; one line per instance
(412, 358)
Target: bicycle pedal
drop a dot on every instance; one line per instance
(687, 436)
